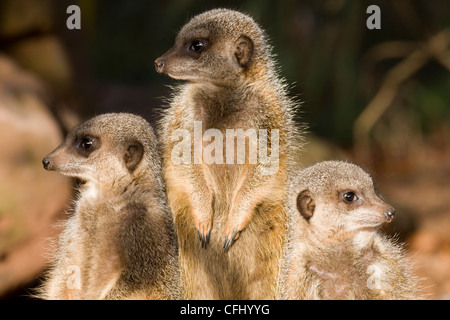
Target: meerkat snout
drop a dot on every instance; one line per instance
(48, 165)
(159, 65)
(389, 214)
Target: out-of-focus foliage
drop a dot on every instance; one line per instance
(323, 47)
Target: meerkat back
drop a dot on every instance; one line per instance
(227, 197)
(120, 242)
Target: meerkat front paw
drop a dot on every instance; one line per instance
(203, 224)
(235, 225)
(231, 236)
(238, 220)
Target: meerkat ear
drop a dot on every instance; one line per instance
(133, 155)
(306, 204)
(244, 51)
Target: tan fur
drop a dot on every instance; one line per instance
(120, 242)
(232, 84)
(339, 252)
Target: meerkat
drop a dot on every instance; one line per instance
(336, 250)
(120, 242)
(230, 86)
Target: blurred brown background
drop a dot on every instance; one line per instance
(380, 98)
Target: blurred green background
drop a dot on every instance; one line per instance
(380, 98)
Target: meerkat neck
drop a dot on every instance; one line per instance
(358, 239)
(328, 237)
(139, 187)
(221, 100)
(125, 187)
(217, 101)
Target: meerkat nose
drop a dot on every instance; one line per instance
(47, 164)
(159, 65)
(389, 214)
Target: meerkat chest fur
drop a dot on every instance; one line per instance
(102, 201)
(223, 108)
(341, 268)
(218, 115)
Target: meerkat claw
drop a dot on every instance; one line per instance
(225, 244)
(207, 237)
(228, 242)
(204, 238)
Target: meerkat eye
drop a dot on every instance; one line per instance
(86, 143)
(197, 46)
(349, 196)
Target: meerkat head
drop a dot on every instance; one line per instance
(105, 149)
(219, 46)
(339, 196)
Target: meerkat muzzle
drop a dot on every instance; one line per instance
(389, 214)
(48, 164)
(159, 65)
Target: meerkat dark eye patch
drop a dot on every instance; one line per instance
(244, 51)
(133, 155)
(306, 204)
(84, 145)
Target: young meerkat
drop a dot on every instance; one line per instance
(120, 242)
(231, 86)
(336, 250)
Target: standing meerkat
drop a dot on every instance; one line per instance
(120, 242)
(336, 250)
(233, 96)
